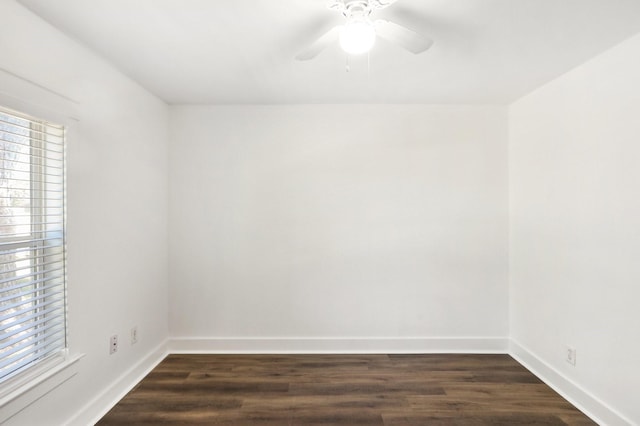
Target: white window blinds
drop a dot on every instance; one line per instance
(32, 246)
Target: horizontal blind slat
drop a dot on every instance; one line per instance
(40, 347)
(49, 276)
(28, 326)
(18, 250)
(23, 320)
(20, 235)
(50, 326)
(50, 295)
(28, 173)
(44, 280)
(53, 289)
(22, 140)
(14, 147)
(35, 243)
(30, 266)
(56, 132)
(14, 162)
(24, 289)
(25, 311)
(28, 258)
(21, 344)
(13, 180)
(54, 198)
(29, 356)
(23, 133)
(35, 191)
(45, 216)
(15, 138)
(31, 346)
(58, 224)
(8, 373)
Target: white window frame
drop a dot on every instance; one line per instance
(21, 391)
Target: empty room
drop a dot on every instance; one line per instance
(319, 212)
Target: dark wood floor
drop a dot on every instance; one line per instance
(342, 390)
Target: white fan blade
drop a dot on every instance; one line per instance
(410, 40)
(335, 5)
(381, 4)
(320, 44)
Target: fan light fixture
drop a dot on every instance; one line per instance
(357, 36)
(359, 32)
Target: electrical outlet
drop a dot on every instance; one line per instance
(134, 335)
(571, 355)
(113, 344)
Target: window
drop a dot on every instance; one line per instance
(32, 243)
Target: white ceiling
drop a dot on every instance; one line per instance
(241, 51)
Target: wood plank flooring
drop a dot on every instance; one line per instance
(394, 390)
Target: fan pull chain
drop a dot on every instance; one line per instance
(347, 66)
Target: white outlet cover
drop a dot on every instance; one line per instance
(571, 355)
(113, 344)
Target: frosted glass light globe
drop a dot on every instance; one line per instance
(357, 37)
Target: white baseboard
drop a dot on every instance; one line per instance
(100, 405)
(583, 400)
(597, 410)
(220, 345)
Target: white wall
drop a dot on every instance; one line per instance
(575, 227)
(347, 221)
(117, 208)
(338, 222)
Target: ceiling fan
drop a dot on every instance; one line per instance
(358, 34)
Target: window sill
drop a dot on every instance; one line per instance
(39, 383)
